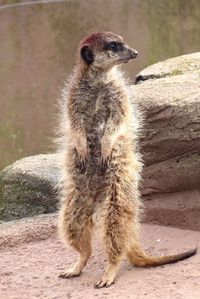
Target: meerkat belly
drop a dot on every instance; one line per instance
(94, 122)
(94, 134)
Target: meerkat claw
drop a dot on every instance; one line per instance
(82, 164)
(104, 162)
(103, 284)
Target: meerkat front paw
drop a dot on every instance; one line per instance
(81, 147)
(106, 149)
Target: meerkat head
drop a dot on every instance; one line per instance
(105, 50)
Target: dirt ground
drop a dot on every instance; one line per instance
(32, 257)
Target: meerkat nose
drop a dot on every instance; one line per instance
(134, 53)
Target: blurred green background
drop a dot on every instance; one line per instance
(38, 40)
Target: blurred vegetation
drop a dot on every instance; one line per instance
(6, 2)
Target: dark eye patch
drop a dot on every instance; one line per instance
(114, 46)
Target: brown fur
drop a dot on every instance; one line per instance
(102, 165)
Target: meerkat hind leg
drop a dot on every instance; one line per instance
(83, 246)
(115, 238)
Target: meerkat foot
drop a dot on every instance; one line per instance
(70, 273)
(108, 278)
(74, 271)
(105, 282)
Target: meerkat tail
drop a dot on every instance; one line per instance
(139, 258)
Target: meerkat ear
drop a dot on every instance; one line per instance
(87, 55)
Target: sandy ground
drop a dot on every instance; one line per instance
(32, 257)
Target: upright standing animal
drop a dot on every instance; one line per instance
(102, 165)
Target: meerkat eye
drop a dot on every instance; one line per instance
(113, 46)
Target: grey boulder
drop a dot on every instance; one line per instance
(28, 187)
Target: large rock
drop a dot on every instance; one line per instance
(170, 145)
(28, 187)
(171, 67)
(171, 140)
(171, 135)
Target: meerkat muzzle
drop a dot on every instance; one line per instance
(133, 53)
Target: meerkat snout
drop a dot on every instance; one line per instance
(134, 53)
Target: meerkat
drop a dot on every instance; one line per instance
(102, 164)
